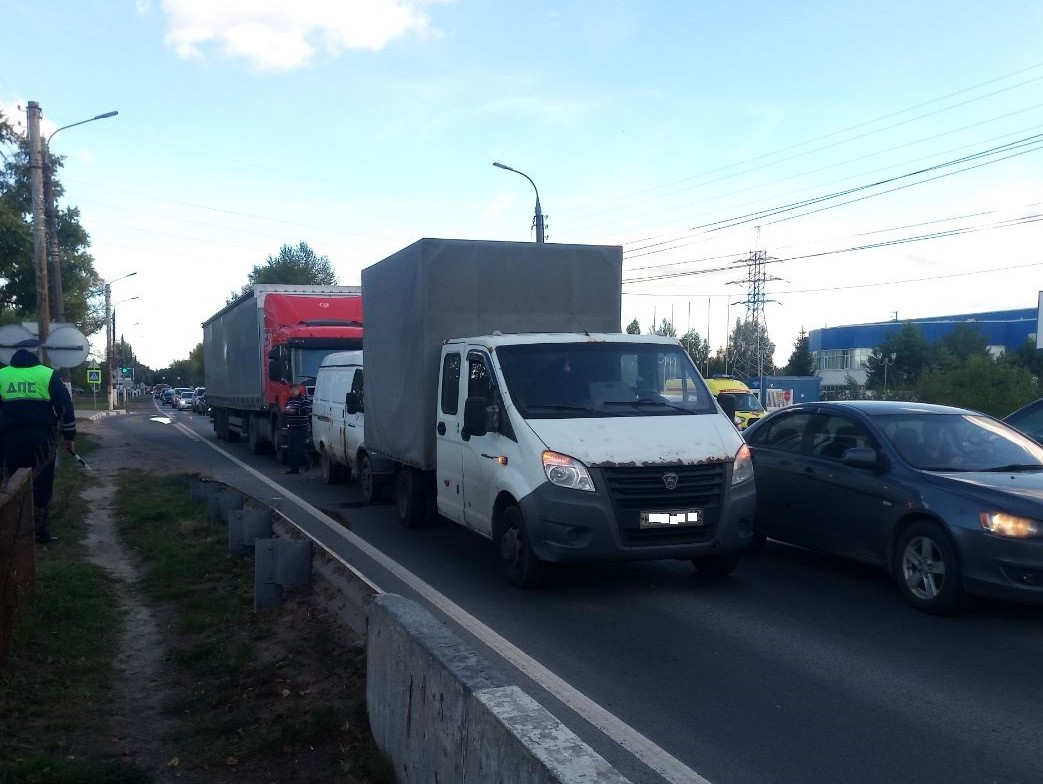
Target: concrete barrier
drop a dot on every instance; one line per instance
(441, 713)
(437, 709)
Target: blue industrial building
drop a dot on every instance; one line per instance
(842, 352)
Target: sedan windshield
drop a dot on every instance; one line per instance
(960, 442)
(603, 379)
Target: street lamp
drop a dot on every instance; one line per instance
(110, 332)
(887, 361)
(54, 262)
(538, 220)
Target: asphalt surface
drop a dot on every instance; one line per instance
(797, 668)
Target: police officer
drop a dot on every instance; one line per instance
(34, 405)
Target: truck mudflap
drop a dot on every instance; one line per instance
(631, 519)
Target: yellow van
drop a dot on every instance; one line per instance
(748, 408)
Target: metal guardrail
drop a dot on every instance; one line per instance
(17, 553)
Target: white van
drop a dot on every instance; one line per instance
(336, 433)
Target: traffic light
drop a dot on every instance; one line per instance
(125, 370)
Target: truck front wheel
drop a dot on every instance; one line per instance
(332, 473)
(521, 566)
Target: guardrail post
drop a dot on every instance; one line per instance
(245, 526)
(279, 562)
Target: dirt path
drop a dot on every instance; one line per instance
(142, 730)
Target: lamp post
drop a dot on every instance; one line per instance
(538, 220)
(888, 361)
(54, 262)
(110, 332)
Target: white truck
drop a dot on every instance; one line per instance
(501, 395)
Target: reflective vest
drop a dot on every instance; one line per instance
(25, 383)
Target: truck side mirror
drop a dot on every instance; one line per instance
(727, 403)
(353, 402)
(477, 416)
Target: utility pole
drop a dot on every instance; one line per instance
(39, 222)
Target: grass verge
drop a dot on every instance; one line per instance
(248, 697)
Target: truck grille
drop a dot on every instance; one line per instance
(642, 488)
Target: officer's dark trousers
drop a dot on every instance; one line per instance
(28, 447)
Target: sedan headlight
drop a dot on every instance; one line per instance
(742, 468)
(1003, 524)
(565, 471)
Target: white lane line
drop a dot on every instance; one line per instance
(656, 758)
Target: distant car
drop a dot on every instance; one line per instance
(79, 391)
(184, 400)
(949, 501)
(167, 396)
(1029, 420)
(199, 400)
(178, 392)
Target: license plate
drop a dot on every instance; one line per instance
(672, 518)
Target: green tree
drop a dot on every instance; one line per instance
(800, 362)
(82, 292)
(908, 356)
(1026, 356)
(960, 344)
(697, 348)
(666, 328)
(979, 383)
(750, 350)
(633, 328)
(295, 265)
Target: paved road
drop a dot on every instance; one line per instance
(798, 668)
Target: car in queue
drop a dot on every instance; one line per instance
(167, 396)
(184, 400)
(1029, 420)
(199, 400)
(949, 501)
(175, 401)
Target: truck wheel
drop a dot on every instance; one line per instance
(410, 498)
(282, 454)
(332, 473)
(520, 565)
(371, 491)
(718, 565)
(258, 444)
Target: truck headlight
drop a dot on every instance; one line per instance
(742, 467)
(564, 471)
(1003, 524)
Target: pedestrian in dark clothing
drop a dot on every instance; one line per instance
(298, 425)
(34, 406)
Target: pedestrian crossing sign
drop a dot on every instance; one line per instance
(93, 375)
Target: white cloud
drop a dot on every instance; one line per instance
(278, 35)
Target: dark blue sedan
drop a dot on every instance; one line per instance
(949, 501)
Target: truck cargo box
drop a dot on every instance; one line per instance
(437, 289)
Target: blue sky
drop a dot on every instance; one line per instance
(690, 133)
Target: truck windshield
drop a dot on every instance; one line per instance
(606, 379)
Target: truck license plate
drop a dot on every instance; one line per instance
(666, 519)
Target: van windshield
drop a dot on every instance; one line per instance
(746, 401)
(568, 380)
